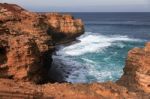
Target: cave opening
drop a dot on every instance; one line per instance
(3, 56)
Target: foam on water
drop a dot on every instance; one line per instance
(92, 59)
(92, 43)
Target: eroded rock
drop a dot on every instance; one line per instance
(137, 70)
(64, 26)
(27, 40)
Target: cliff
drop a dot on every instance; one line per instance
(134, 84)
(137, 70)
(27, 41)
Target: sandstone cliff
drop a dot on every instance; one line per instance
(134, 84)
(137, 70)
(27, 41)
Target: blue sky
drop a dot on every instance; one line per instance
(84, 5)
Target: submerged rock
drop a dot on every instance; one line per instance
(27, 41)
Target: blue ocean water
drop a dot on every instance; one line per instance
(100, 55)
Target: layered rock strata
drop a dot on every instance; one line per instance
(137, 70)
(27, 41)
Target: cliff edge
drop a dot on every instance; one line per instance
(27, 41)
(137, 70)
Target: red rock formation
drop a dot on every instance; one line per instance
(27, 41)
(64, 26)
(20, 90)
(26, 45)
(137, 70)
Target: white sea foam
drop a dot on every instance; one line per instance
(82, 75)
(88, 60)
(80, 68)
(92, 42)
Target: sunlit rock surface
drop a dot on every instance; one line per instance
(27, 41)
(137, 70)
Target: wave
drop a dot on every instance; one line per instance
(88, 60)
(76, 65)
(93, 42)
(88, 73)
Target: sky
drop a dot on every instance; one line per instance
(83, 5)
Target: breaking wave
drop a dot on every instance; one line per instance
(96, 58)
(93, 42)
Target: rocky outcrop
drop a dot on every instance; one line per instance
(134, 84)
(137, 70)
(23, 90)
(27, 40)
(64, 26)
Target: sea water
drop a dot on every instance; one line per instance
(101, 53)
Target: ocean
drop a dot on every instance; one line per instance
(101, 53)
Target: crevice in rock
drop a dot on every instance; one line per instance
(3, 64)
(3, 56)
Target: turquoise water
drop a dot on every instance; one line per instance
(100, 55)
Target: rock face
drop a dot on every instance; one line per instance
(137, 70)
(17, 90)
(27, 41)
(64, 26)
(25, 90)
